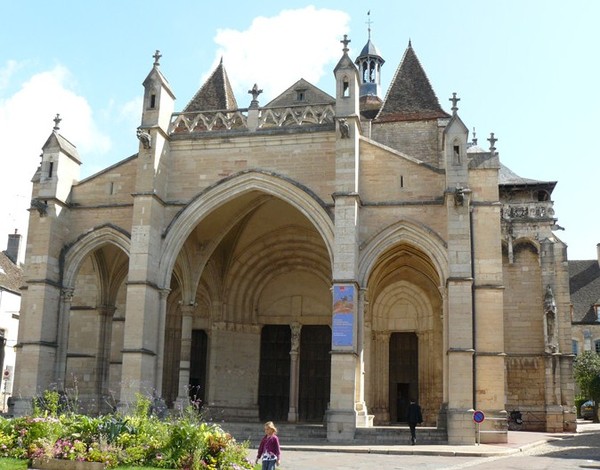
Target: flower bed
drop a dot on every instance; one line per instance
(139, 439)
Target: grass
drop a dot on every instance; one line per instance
(20, 464)
(13, 464)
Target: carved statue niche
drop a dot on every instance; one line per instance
(550, 320)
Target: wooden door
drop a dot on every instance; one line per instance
(404, 374)
(315, 372)
(274, 376)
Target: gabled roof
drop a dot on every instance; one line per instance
(11, 275)
(584, 285)
(57, 140)
(156, 75)
(410, 96)
(310, 94)
(215, 94)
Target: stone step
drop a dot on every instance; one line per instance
(298, 434)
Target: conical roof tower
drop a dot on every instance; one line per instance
(215, 94)
(410, 96)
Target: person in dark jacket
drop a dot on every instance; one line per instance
(414, 417)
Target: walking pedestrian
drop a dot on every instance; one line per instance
(269, 450)
(414, 417)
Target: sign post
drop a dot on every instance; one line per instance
(478, 417)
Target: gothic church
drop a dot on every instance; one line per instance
(314, 259)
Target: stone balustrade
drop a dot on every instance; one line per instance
(251, 119)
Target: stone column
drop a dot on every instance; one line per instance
(294, 372)
(62, 336)
(187, 317)
(160, 340)
(106, 313)
(381, 379)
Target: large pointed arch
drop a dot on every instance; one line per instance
(207, 201)
(404, 231)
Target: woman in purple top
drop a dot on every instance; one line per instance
(268, 449)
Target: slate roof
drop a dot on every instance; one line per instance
(584, 284)
(369, 50)
(11, 275)
(215, 94)
(410, 97)
(507, 177)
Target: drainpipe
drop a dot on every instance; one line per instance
(473, 316)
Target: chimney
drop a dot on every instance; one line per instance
(14, 243)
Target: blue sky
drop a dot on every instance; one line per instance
(525, 70)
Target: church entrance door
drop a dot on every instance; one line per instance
(198, 366)
(404, 374)
(315, 372)
(274, 376)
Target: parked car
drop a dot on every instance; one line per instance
(587, 410)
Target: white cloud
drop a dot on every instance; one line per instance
(7, 72)
(26, 122)
(274, 52)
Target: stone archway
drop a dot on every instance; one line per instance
(91, 319)
(404, 301)
(255, 259)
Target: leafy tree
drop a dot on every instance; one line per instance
(586, 371)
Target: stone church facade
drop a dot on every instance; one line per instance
(314, 259)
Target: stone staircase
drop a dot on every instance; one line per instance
(316, 434)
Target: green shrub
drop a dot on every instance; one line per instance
(182, 442)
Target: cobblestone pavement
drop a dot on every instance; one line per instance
(531, 451)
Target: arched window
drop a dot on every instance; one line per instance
(575, 346)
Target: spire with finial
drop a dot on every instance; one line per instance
(492, 140)
(56, 120)
(474, 137)
(157, 55)
(369, 23)
(455, 101)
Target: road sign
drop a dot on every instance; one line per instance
(478, 417)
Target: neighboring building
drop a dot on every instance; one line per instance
(585, 304)
(11, 280)
(315, 259)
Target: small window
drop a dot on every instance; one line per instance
(50, 169)
(457, 154)
(597, 346)
(597, 310)
(401, 181)
(152, 101)
(300, 95)
(346, 89)
(575, 346)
